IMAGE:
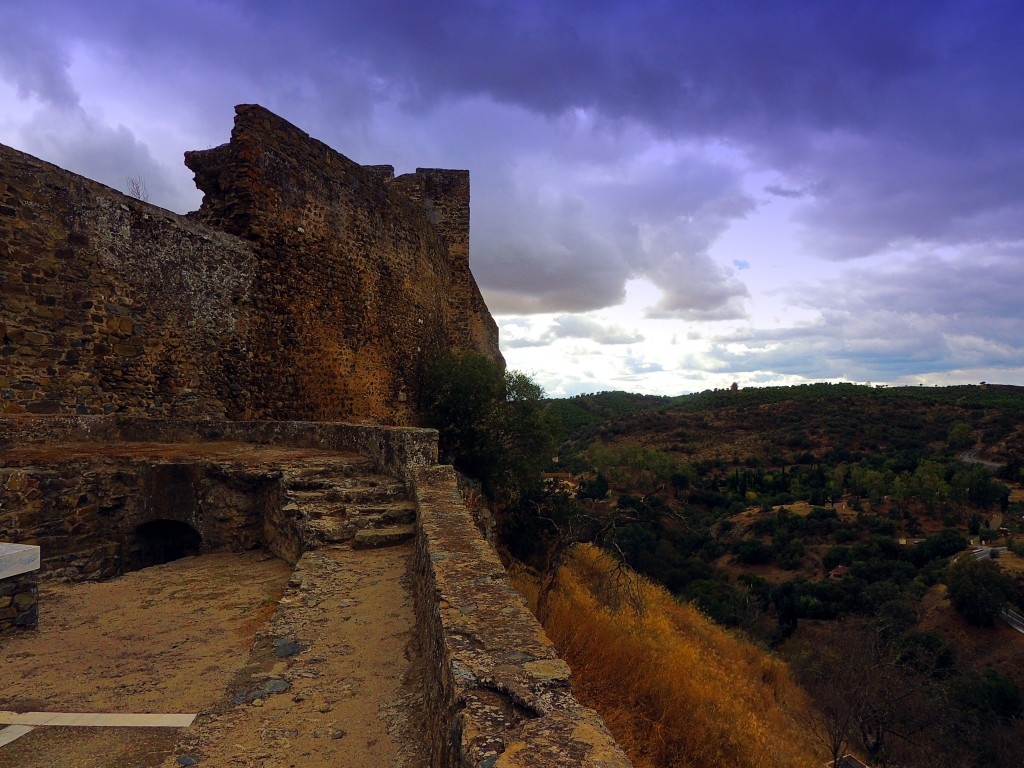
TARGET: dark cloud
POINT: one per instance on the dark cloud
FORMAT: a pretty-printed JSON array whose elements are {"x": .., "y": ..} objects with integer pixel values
[
  {"x": 885, "y": 194},
  {"x": 780, "y": 191},
  {"x": 32, "y": 59},
  {"x": 701, "y": 290},
  {"x": 598, "y": 223},
  {"x": 579, "y": 327},
  {"x": 635, "y": 365},
  {"x": 609, "y": 141},
  {"x": 70, "y": 138}
]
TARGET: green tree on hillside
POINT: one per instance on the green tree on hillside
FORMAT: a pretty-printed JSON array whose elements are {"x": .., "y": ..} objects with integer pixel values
[
  {"x": 493, "y": 424},
  {"x": 960, "y": 436},
  {"x": 978, "y": 589}
]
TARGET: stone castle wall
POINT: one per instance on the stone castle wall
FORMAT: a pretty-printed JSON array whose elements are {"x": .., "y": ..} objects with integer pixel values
[
  {"x": 108, "y": 304},
  {"x": 306, "y": 287},
  {"x": 496, "y": 693}
]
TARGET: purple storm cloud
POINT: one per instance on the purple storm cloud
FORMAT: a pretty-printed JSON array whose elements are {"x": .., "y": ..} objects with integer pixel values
[{"x": 807, "y": 190}]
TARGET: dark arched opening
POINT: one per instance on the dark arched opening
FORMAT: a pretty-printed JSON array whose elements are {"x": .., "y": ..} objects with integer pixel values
[{"x": 160, "y": 541}]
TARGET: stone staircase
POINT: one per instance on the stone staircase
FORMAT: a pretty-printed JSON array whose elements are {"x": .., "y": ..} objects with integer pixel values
[{"x": 341, "y": 502}]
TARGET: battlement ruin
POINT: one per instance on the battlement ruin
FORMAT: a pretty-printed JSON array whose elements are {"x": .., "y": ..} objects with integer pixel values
[
  {"x": 243, "y": 378},
  {"x": 305, "y": 287}
]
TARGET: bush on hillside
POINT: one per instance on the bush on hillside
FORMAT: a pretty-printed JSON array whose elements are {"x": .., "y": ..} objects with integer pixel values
[
  {"x": 978, "y": 589},
  {"x": 493, "y": 424},
  {"x": 674, "y": 688}
]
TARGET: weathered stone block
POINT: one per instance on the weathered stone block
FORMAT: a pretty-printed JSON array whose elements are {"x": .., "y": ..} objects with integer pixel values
[
  {"x": 372, "y": 538},
  {"x": 19, "y": 607}
]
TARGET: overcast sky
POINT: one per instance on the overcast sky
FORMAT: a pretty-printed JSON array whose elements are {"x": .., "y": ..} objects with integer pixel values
[{"x": 667, "y": 196}]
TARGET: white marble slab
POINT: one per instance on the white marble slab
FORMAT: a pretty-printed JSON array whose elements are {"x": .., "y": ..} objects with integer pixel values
[
  {"x": 16, "y": 559},
  {"x": 26, "y": 718},
  {"x": 12, "y": 732},
  {"x": 96, "y": 719}
]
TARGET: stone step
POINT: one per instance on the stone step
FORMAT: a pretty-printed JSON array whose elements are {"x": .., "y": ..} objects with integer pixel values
[
  {"x": 366, "y": 491},
  {"x": 315, "y": 477},
  {"x": 334, "y": 509},
  {"x": 389, "y": 513},
  {"x": 330, "y": 531},
  {"x": 397, "y": 513},
  {"x": 373, "y": 538},
  {"x": 335, "y": 530}
]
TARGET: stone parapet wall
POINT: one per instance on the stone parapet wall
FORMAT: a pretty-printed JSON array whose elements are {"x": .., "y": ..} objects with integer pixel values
[
  {"x": 499, "y": 696},
  {"x": 19, "y": 602},
  {"x": 393, "y": 449}
]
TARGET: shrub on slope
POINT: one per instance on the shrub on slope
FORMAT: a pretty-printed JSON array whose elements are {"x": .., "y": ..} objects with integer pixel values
[{"x": 674, "y": 688}]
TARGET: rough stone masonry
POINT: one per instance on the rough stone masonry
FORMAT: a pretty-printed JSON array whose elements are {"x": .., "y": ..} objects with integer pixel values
[
  {"x": 307, "y": 290},
  {"x": 305, "y": 287}
]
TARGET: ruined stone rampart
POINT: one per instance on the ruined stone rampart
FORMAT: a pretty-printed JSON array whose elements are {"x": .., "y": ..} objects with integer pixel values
[
  {"x": 108, "y": 304},
  {"x": 80, "y": 487},
  {"x": 306, "y": 287},
  {"x": 497, "y": 693}
]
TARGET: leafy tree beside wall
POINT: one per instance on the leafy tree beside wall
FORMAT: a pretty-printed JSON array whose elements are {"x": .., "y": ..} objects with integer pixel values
[{"x": 493, "y": 423}]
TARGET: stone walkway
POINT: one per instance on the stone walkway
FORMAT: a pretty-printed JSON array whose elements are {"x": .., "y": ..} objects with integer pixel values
[
  {"x": 165, "y": 639},
  {"x": 324, "y": 674},
  {"x": 335, "y": 681}
]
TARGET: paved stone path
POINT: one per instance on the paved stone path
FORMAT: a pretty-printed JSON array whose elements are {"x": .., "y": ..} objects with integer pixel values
[
  {"x": 333, "y": 678},
  {"x": 336, "y": 680}
]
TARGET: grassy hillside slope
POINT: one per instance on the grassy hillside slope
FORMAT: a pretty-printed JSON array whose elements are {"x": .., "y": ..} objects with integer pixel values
[
  {"x": 674, "y": 688},
  {"x": 793, "y": 516}
]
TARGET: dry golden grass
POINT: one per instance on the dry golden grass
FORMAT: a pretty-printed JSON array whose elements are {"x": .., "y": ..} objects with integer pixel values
[{"x": 674, "y": 688}]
